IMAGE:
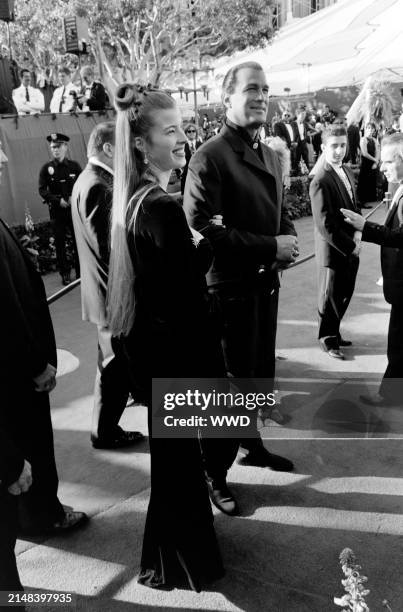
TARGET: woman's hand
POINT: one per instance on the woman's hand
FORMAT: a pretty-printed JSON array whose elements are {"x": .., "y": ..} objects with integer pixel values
[{"x": 356, "y": 220}]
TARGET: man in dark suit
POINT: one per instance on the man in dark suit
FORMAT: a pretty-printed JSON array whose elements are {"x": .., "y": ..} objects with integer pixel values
[
  {"x": 303, "y": 136},
  {"x": 91, "y": 207},
  {"x": 336, "y": 245},
  {"x": 390, "y": 237},
  {"x": 234, "y": 196},
  {"x": 191, "y": 146},
  {"x": 354, "y": 137},
  {"x": 93, "y": 95},
  {"x": 27, "y": 375},
  {"x": 288, "y": 131}
]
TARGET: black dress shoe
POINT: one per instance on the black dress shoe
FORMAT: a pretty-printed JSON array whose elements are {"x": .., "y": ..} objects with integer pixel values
[
  {"x": 222, "y": 497},
  {"x": 71, "y": 520},
  {"x": 121, "y": 440},
  {"x": 260, "y": 457},
  {"x": 378, "y": 401},
  {"x": 332, "y": 351}
]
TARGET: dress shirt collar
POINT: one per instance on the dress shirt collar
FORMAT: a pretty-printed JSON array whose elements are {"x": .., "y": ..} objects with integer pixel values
[{"x": 96, "y": 162}]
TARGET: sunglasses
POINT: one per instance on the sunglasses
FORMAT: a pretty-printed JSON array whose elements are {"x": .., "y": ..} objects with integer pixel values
[{"x": 191, "y": 132}]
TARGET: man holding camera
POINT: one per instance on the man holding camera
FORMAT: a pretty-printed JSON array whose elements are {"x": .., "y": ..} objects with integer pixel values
[{"x": 64, "y": 98}]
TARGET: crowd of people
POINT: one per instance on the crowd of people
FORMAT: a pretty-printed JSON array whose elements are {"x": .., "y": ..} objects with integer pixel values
[
  {"x": 87, "y": 94},
  {"x": 180, "y": 292}
]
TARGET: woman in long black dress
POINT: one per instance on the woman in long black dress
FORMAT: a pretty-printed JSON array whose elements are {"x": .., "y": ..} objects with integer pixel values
[
  {"x": 158, "y": 307},
  {"x": 367, "y": 178}
]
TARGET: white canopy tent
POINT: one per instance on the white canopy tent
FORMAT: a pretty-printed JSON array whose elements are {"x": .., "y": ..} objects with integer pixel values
[{"x": 337, "y": 46}]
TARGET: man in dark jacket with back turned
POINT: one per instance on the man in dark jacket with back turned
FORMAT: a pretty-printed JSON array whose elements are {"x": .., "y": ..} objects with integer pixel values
[
  {"x": 236, "y": 177},
  {"x": 390, "y": 237},
  {"x": 91, "y": 208}
]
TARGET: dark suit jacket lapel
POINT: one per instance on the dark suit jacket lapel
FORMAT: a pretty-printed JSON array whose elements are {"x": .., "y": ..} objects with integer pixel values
[
  {"x": 274, "y": 172},
  {"x": 249, "y": 155},
  {"x": 340, "y": 187},
  {"x": 392, "y": 211},
  {"x": 350, "y": 178},
  {"x": 286, "y": 133},
  {"x": 252, "y": 158}
]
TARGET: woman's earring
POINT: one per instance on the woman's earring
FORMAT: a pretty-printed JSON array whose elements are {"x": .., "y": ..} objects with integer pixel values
[{"x": 145, "y": 159}]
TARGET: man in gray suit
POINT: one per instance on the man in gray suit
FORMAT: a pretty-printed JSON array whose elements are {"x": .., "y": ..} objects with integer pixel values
[{"x": 91, "y": 204}]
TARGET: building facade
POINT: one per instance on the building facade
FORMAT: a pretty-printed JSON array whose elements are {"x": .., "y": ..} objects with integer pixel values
[{"x": 283, "y": 10}]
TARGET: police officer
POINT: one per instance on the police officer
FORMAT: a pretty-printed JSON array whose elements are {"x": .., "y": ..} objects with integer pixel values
[{"x": 56, "y": 180}]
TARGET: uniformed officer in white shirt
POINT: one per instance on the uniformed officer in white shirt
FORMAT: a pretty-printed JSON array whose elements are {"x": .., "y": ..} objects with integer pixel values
[
  {"x": 64, "y": 98},
  {"x": 28, "y": 100}
]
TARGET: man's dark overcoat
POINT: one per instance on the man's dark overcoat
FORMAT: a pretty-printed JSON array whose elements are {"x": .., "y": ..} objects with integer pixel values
[
  {"x": 390, "y": 237},
  {"x": 28, "y": 345},
  {"x": 242, "y": 182}
]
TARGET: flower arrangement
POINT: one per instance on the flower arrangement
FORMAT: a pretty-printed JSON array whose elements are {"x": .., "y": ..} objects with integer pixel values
[
  {"x": 354, "y": 599},
  {"x": 354, "y": 582},
  {"x": 29, "y": 240}
]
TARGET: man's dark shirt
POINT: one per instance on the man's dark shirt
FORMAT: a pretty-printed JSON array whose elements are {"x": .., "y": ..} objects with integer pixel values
[
  {"x": 56, "y": 180},
  {"x": 244, "y": 134}
]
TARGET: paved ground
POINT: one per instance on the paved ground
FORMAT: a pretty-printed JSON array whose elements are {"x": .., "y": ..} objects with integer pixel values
[{"x": 281, "y": 554}]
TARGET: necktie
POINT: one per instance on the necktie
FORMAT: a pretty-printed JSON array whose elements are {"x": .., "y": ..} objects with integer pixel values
[
  {"x": 26, "y": 94},
  {"x": 62, "y": 100}
]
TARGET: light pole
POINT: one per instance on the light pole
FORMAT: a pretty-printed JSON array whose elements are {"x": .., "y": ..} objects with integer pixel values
[
  {"x": 194, "y": 70},
  {"x": 192, "y": 67}
]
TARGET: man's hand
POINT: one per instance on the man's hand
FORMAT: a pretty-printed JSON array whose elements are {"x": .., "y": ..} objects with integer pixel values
[
  {"x": 356, "y": 220},
  {"x": 63, "y": 203},
  {"x": 287, "y": 248},
  {"x": 46, "y": 381},
  {"x": 24, "y": 481}
]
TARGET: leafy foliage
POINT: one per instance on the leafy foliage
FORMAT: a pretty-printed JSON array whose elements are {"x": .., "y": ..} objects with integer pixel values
[
  {"x": 145, "y": 39},
  {"x": 37, "y": 36}
]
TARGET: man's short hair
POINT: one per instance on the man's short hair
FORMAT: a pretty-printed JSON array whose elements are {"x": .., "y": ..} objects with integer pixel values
[
  {"x": 334, "y": 129},
  {"x": 23, "y": 71},
  {"x": 65, "y": 70},
  {"x": 230, "y": 79},
  {"x": 87, "y": 70},
  {"x": 102, "y": 133},
  {"x": 396, "y": 141},
  {"x": 301, "y": 108}
]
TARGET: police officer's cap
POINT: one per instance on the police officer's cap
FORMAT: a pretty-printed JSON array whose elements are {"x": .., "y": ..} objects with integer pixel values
[{"x": 56, "y": 137}]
